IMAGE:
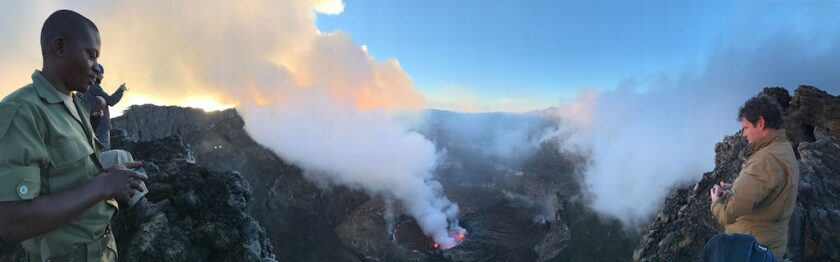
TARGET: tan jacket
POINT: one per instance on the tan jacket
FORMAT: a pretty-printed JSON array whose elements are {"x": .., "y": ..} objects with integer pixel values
[{"x": 764, "y": 194}]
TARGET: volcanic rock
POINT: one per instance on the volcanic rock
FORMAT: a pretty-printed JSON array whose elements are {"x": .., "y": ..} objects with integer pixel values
[{"x": 208, "y": 220}]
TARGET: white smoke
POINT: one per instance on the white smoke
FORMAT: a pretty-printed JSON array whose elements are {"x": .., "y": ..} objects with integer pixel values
[
  {"x": 361, "y": 149},
  {"x": 509, "y": 137}
]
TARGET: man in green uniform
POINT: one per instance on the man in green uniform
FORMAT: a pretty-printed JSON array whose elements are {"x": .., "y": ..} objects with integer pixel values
[{"x": 55, "y": 195}]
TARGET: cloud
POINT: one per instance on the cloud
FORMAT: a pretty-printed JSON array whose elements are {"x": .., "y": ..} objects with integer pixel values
[
  {"x": 339, "y": 145},
  {"x": 329, "y": 7},
  {"x": 466, "y": 99}
]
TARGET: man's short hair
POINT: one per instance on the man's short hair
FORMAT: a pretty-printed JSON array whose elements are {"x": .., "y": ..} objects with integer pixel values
[
  {"x": 66, "y": 23},
  {"x": 763, "y": 106}
]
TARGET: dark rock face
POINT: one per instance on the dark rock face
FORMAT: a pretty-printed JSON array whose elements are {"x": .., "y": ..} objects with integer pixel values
[
  {"x": 818, "y": 197},
  {"x": 207, "y": 221},
  {"x": 812, "y": 119},
  {"x": 815, "y": 114}
]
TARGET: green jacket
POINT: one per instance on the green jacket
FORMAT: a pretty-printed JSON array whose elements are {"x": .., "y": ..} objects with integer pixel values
[
  {"x": 764, "y": 194},
  {"x": 46, "y": 151}
]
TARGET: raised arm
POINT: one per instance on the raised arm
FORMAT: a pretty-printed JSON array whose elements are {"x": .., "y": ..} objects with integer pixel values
[{"x": 114, "y": 98}]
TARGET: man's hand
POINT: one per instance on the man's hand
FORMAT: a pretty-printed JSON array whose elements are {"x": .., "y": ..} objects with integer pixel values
[
  {"x": 102, "y": 103},
  {"x": 123, "y": 87},
  {"x": 719, "y": 191},
  {"x": 133, "y": 165},
  {"x": 101, "y": 107},
  {"x": 118, "y": 181}
]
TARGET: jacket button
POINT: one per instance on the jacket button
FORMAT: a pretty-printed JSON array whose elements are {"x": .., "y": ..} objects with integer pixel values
[{"x": 23, "y": 189}]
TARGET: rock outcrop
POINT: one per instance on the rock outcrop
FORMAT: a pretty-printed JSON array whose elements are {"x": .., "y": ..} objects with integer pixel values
[
  {"x": 208, "y": 219},
  {"x": 812, "y": 119}
]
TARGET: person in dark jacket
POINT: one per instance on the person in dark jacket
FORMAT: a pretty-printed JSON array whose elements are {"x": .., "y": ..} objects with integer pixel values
[{"x": 99, "y": 101}]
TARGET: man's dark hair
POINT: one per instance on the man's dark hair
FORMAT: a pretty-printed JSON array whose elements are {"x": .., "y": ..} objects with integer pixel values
[
  {"x": 764, "y": 106},
  {"x": 64, "y": 23}
]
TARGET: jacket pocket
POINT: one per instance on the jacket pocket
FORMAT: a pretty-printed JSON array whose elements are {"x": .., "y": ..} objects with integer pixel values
[{"x": 69, "y": 151}]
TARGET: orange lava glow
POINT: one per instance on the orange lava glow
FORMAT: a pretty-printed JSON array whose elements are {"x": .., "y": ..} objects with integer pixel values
[{"x": 460, "y": 237}]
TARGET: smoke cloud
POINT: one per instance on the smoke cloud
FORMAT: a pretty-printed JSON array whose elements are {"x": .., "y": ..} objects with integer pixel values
[
  {"x": 508, "y": 137},
  {"x": 339, "y": 145}
]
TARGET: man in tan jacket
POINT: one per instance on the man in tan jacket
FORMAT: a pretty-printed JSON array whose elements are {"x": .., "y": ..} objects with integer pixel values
[{"x": 763, "y": 196}]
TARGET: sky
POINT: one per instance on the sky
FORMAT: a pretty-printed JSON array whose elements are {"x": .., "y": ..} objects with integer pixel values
[
  {"x": 519, "y": 56},
  {"x": 471, "y": 55}
]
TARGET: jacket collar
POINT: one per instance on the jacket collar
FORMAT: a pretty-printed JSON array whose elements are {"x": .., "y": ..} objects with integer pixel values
[
  {"x": 44, "y": 88},
  {"x": 777, "y": 135}
]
